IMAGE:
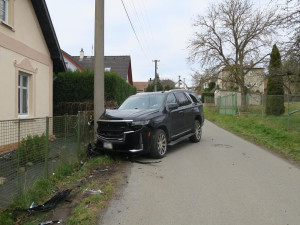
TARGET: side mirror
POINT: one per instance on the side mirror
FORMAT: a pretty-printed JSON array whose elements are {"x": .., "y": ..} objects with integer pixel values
[{"x": 172, "y": 106}]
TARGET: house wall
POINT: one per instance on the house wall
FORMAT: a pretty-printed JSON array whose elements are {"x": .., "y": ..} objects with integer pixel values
[
  {"x": 23, "y": 49},
  {"x": 255, "y": 77}
]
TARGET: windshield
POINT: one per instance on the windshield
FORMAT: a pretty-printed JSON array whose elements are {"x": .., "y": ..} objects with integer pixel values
[{"x": 154, "y": 101}]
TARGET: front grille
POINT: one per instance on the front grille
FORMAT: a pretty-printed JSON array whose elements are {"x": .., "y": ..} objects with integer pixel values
[{"x": 113, "y": 130}]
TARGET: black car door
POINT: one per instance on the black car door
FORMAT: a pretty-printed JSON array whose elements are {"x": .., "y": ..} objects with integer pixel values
[
  {"x": 186, "y": 108},
  {"x": 176, "y": 117}
]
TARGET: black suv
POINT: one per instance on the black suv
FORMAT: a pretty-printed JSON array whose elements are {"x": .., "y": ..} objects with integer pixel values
[{"x": 149, "y": 122}]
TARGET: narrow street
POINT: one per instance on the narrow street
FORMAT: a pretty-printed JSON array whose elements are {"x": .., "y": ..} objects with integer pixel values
[{"x": 223, "y": 180}]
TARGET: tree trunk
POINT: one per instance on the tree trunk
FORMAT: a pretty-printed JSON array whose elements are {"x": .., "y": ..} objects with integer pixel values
[{"x": 244, "y": 100}]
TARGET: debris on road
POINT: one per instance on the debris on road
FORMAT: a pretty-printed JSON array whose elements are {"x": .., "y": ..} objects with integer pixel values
[
  {"x": 51, "y": 222},
  {"x": 55, "y": 200},
  {"x": 92, "y": 192}
]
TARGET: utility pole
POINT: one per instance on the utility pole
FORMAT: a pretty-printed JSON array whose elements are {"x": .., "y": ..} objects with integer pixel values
[
  {"x": 99, "y": 62},
  {"x": 155, "y": 75}
]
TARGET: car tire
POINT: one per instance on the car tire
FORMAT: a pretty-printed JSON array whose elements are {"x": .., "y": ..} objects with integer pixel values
[
  {"x": 197, "y": 132},
  {"x": 159, "y": 144}
]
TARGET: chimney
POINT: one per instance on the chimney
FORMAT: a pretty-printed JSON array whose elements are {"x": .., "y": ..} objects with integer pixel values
[{"x": 81, "y": 54}]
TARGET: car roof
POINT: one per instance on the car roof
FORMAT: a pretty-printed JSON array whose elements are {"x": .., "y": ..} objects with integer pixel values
[{"x": 165, "y": 92}]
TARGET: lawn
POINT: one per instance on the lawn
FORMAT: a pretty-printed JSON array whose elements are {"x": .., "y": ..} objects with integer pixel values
[{"x": 271, "y": 132}]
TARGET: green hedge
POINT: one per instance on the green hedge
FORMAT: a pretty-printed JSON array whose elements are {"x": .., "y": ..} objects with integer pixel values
[{"x": 79, "y": 87}]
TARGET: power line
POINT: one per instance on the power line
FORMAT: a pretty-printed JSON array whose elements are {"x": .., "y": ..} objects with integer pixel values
[{"x": 133, "y": 28}]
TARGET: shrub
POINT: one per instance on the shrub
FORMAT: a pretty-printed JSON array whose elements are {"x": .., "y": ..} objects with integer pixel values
[
  {"x": 275, "y": 91},
  {"x": 32, "y": 149}
]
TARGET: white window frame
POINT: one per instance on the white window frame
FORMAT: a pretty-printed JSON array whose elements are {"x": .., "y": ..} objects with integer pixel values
[
  {"x": 21, "y": 87},
  {"x": 5, "y": 11}
]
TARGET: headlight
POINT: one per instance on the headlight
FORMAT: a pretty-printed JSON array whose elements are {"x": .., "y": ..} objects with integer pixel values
[{"x": 140, "y": 123}]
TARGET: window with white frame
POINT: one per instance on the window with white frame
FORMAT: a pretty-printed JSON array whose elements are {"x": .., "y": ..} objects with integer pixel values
[
  {"x": 23, "y": 86},
  {"x": 4, "y": 10}
]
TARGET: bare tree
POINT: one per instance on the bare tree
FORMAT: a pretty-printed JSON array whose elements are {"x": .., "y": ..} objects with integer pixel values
[
  {"x": 292, "y": 21},
  {"x": 233, "y": 34}
]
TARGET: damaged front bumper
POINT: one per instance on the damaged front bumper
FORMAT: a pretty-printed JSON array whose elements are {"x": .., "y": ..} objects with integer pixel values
[{"x": 130, "y": 141}]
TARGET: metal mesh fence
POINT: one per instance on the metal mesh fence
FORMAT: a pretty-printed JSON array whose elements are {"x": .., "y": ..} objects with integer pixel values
[
  {"x": 277, "y": 110},
  {"x": 31, "y": 149}
]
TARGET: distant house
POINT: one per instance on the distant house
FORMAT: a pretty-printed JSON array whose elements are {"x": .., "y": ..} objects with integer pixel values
[
  {"x": 140, "y": 86},
  {"x": 29, "y": 55},
  {"x": 254, "y": 79},
  {"x": 118, "y": 64},
  {"x": 168, "y": 82}
]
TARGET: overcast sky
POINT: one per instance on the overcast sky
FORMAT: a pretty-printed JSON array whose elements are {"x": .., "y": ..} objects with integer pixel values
[{"x": 163, "y": 28}]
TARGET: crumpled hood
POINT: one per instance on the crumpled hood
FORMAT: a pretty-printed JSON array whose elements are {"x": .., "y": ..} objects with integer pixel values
[{"x": 132, "y": 114}]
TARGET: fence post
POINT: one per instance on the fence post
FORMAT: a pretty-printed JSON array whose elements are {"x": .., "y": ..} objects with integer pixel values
[
  {"x": 19, "y": 156},
  {"x": 78, "y": 136},
  {"x": 262, "y": 106},
  {"x": 288, "y": 111},
  {"x": 219, "y": 103},
  {"x": 232, "y": 104},
  {"x": 225, "y": 105},
  {"x": 47, "y": 148}
]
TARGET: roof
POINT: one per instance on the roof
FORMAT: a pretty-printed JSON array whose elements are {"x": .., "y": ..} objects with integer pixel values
[
  {"x": 118, "y": 64},
  {"x": 47, "y": 28},
  {"x": 69, "y": 57},
  {"x": 167, "y": 82}
]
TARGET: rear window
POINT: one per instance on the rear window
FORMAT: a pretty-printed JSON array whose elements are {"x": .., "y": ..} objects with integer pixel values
[
  {"x": 194, "y": 98},
  {"x": 182, "y": 99}
]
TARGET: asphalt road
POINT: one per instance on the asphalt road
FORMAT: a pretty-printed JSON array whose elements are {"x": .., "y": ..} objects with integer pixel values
[{"x": 221, "y": 180}]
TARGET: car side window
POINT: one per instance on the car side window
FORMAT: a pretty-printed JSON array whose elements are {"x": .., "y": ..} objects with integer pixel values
[
  {"x": 182, "y": 99},
  {"x": 171, "y": 98},
  {"x": 195, "y": 100}
]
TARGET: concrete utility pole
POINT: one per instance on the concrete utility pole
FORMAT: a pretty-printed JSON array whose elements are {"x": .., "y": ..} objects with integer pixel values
[
  {"x": 99, "y": 62},
  {"x": 155, "y": 75}
]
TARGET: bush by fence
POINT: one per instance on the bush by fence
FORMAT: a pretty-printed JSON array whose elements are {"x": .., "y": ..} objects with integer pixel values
[{"x": 32, "y": 149}]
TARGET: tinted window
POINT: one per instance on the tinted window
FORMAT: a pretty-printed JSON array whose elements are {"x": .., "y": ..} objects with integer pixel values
[
  {"x": 182, "y": 99},
  {"x": 171, "y": 98}
]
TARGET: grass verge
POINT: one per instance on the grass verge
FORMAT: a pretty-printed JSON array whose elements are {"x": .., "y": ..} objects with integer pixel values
[
  {"x": 268, "y": 134},
  {"x": 85, "y": 208}
]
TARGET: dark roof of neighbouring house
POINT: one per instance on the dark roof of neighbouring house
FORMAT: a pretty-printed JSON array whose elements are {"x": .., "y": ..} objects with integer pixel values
[
  {"x": 118, "y": 64},
  {"x": 43, "y": 16}
]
